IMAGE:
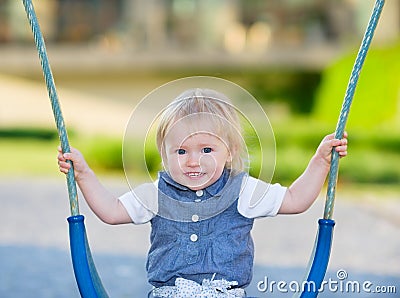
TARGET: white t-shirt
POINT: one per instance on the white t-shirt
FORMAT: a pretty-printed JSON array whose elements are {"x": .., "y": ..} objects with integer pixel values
[{"x": 256, "y": 199}]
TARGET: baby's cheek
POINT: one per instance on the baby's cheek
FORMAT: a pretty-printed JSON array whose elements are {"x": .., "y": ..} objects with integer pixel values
[{"x": 208, "y": 160}]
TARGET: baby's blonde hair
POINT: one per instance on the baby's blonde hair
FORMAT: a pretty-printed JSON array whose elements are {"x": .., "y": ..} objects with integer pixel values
[{"x": 198, "y": 102}]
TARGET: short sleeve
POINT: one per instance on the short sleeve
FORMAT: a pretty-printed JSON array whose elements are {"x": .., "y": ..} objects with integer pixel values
[
  {"x": 260, "y": 199},
  {"x": 136, "y": 203}
]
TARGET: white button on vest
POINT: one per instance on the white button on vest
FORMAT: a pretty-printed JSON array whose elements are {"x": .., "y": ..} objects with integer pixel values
[
  {"x": 199, "y": 193},
  {"x": 195, "y": 218},
  {"x": 194, "y": 237}
]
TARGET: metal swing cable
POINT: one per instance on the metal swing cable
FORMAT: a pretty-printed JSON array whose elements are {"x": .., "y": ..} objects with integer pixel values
[
  {"x": 55, "y": 104},
  {"x": 87, "y": 278},
  {"x": 348, "y": 98}
]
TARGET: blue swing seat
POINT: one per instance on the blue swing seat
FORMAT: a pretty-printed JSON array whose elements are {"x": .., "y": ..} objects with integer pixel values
[{"x": 86, "y": 275}]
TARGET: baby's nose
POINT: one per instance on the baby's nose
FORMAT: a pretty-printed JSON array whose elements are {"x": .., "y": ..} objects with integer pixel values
[{"x": 193, "y": 159}]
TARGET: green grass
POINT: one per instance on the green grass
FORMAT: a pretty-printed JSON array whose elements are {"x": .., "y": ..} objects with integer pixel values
[
  {"x": 28, "y": 157},
  {"x": 38, "y": 157},
  {"x": 377, "y": 93},
  {"x": 373, "y": 155}
]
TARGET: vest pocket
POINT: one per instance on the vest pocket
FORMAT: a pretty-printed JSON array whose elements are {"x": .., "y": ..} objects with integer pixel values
[{"x": 221, "y": 254}]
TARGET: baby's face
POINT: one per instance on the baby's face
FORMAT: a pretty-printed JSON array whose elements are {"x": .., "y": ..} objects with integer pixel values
[{"x": 194, "y": 158}]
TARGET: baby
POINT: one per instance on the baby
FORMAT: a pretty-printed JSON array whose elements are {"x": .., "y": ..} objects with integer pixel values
[{"x": 203, "y": 204}]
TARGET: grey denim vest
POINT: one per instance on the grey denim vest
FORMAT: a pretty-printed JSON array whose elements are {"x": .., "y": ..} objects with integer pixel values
[{"x": 196, "y": 236}]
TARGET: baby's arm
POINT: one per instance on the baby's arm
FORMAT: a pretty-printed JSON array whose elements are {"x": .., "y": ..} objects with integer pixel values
[
  {"x": 107, "y": 207},
  {"x": 303, "y": 192}
]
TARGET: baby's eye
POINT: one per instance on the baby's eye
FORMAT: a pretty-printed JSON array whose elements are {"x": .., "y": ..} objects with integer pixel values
[
  {"x": 207, "y": 150},
  {"x": 181, "y": 151}
]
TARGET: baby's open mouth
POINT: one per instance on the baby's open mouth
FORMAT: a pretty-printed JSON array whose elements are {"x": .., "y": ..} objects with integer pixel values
[{"x": 194, "y": 174}]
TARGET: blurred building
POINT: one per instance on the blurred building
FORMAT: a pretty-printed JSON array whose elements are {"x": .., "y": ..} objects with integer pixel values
[
  {"x": 295, "y": 33},
  {"x": 230, "y": 25}
]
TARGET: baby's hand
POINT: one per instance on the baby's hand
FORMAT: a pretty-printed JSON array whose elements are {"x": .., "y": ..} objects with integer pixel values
[
  {"x": 80, "y": 165},
  {"x": 324, "y": 150}
]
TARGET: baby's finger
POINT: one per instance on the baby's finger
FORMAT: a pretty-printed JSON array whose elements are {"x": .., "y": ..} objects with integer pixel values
[
  {"x": 65, "y": 156},
  {"x": 68, "y": 156},
  {"x": 64, "y": 164},
  {"x": 64, "y": 170},
  {"x": 329, "y": 137},
  {"x": 344, "y": 141},
  {"x": 341, "y": 142},
  {"x": 60, "y": 157},
  {"x": 341, "y": 148}
]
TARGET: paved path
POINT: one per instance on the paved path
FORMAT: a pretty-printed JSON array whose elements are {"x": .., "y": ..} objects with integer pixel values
[
  {"x": 35, "y": 261},
  {"x": 36, "y": 111}
]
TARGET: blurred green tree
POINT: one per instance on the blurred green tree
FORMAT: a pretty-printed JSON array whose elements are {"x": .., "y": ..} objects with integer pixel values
[{"x": 377, "y": 96}]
